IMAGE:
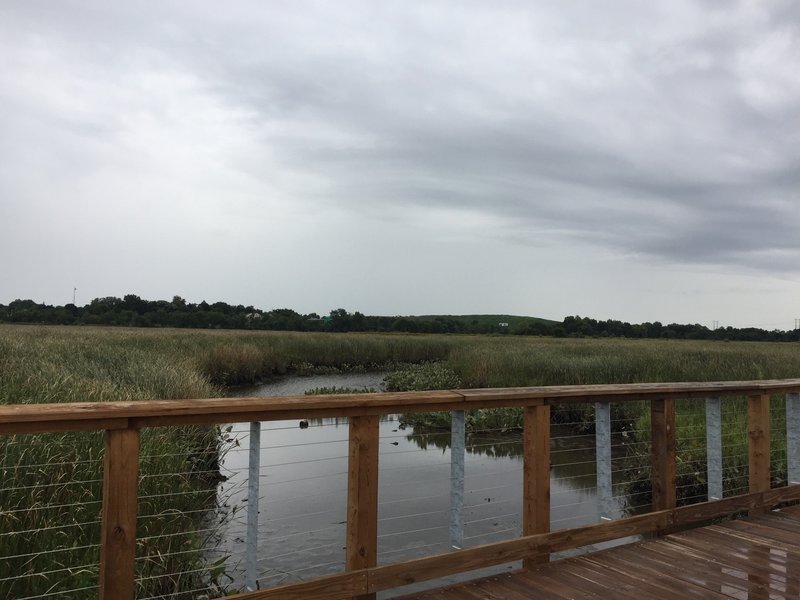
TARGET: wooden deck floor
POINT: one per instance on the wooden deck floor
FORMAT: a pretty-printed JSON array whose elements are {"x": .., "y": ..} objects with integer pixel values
[{"x": 752, "y": 558}]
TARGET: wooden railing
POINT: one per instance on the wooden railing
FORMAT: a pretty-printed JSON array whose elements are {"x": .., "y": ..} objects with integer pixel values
[{"x": 122, "y": 422}]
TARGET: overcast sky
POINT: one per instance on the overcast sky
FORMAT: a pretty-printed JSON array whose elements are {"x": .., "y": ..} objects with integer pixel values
[{"x": 626, "y": 159}]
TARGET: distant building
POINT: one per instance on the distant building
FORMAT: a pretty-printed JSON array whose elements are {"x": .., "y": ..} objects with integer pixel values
[{"x": 503, "y": 324}]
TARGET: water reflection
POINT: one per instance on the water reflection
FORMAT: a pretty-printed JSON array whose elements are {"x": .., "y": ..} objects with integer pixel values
[
  {"x": 571, "y": 455},
  {"x": 505, "y": 446}
]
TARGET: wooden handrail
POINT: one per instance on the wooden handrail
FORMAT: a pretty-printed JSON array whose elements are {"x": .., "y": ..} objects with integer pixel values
[
  {"x": 123, "y": 420},
  {"x": 75, "y": 416}
]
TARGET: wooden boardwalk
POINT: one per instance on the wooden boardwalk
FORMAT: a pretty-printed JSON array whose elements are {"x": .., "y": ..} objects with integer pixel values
[{"x": 757, "y": 557}]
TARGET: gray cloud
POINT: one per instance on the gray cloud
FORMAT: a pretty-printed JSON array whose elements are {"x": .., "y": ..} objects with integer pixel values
[{"x": 661, "y": 132}]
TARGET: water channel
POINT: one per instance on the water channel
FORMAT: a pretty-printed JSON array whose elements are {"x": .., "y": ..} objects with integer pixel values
[{"x": 303, "y": 489}]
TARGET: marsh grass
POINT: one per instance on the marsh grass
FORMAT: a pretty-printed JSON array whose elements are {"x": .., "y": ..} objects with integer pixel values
[
  {"x": 330, "y": 390},
  {"x": 690, "y": 451},
  {"x": 514, "y": 362},
  {"x": 51, "y": 483},
  {"x": 504, "y": 362}
]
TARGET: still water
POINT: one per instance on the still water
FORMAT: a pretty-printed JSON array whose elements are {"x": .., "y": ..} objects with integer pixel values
[{"x": 303, "y": 489}]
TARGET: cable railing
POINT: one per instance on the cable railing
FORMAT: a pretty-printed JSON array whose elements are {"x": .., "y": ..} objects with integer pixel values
[{"x": 581, "y": 472}]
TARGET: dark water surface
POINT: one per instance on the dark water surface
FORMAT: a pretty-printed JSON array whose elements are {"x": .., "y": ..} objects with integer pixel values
[{"x": 304, "y": 489}]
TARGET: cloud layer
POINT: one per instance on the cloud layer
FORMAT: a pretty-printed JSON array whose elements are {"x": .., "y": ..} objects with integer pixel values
[{"x": 168, "y": 144}]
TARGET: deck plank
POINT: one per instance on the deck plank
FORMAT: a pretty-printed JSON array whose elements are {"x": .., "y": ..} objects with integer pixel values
[
  {"x": 667, "y": 586},
  {"x": 751, "y": 558},
  {"x": 694, "y": 579},
  {"x": 790, "y": 511},
  {"x": 704, "y": 570},
  {"x": 777, "y": 521},
  {"x": 623, "y": 588},
  {"x": 758, "y": 534},
  {"x": 503, "y": 588},
  {"x": 608, "y": 582},
  {"x": 589, "y": 589}
]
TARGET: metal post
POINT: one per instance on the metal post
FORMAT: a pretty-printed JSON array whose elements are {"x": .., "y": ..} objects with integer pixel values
[
  {"x": 457, "y": 451},
  {"x": 714, "y": 448},
  {"x": 793, "y": 437},
  {"x": 605, "y": 500},
  {"x": 254, "y": 472}
]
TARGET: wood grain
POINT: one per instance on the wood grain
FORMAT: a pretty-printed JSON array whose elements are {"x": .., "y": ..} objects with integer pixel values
[
  {"x": 536, "y": 477},
  {"x": 662, "y": 419},
  {"x": 758, "y": 433},
  {"x": 330, "y": 587},
  {"x": 394, "y": 575},
  {"x": 362, "y": 495},
  {"x": 222, "y": 410},
  {"x": 120, "y": 501},
  {"x": 121, "y": 421},
  {"x": 21, "y": 428},
  {"x": 706, "y": 563}
]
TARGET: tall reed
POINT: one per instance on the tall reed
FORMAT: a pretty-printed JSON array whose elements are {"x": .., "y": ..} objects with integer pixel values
[{"x": 52, "y": 483}]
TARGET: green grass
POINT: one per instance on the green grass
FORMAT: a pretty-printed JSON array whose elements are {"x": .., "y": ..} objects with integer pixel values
[
  {"x": 39, "y": 492},
  {"x": 502, "y": 361},
  {"x": 512, "y": 362},
  {"x": 325, "y": 390},
  {"x": 179, "y": 466},
  {"x": 690, "y": 451},
  {"x": 40, "y": 364}
]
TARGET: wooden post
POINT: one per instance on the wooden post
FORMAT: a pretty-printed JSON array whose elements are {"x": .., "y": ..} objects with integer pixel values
[
  {"x": 536, "y": 477},
  {"x": 662, "y": 420},
  {"x": 362, "y": 495},
  {"x": 120, "y": 502},
  {"x": 758, "y": 443}
]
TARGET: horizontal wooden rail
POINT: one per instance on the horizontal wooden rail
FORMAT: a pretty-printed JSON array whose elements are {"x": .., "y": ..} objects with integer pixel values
[{"x": 75, "y": 416}]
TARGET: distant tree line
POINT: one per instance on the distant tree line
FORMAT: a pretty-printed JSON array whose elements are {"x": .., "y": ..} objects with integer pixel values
[
  {"x": 133, "y": 311},
  {"x": 585, "y": 327}
]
